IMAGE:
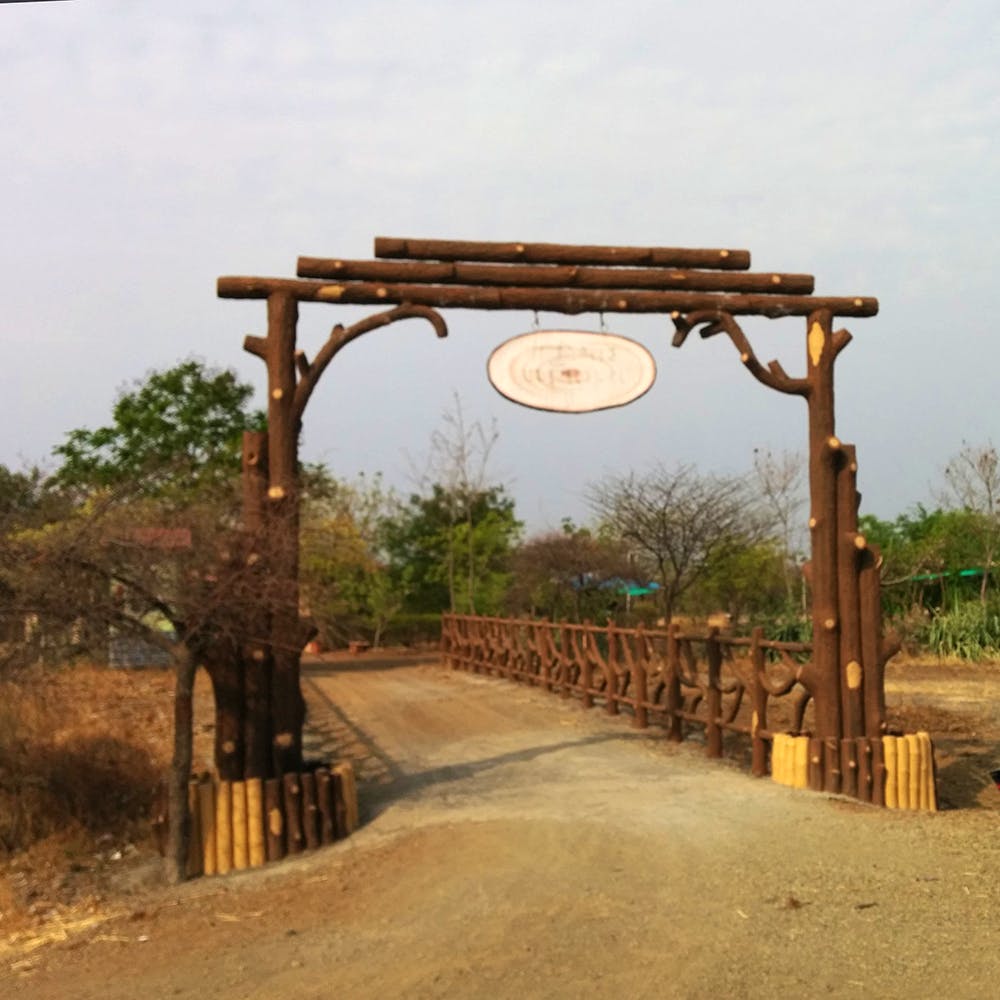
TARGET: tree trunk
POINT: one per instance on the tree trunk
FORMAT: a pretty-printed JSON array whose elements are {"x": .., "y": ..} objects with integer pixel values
[{"x": 179, "y": 828}]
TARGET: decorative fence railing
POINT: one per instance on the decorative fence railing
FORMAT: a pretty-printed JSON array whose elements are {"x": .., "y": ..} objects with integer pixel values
[{"x": 678, "y": 679}]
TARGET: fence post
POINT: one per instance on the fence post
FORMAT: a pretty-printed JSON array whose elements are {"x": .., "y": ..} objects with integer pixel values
[
  {"x": 587, "y": 667},
  {"x": 758, "y": 702},
  {"x": 640, "y": 692},
  {"x": 675, "y": 730},
  {"x": 564, "y": 659},
  {"x": 713, "y": 699},
  {"x": 611, "y": 671},
  {"x": 546, "y": 648}
]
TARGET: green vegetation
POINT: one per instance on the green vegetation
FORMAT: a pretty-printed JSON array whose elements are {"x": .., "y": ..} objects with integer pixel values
[
  {"x": 380, "y": 567},
  {"x": 176, "y": 430}
]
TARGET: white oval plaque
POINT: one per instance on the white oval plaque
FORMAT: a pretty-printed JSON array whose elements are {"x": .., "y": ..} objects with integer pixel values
[{"x": 571, "y": 371}]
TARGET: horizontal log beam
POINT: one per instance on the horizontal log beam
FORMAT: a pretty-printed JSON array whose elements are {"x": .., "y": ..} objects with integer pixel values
[
  {"x": 559, "y": 253},
  {"x": 558, "y": 300},
  {"x": 553, "y": 276}
]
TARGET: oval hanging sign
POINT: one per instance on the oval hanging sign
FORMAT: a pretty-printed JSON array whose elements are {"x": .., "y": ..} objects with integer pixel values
[{"x": 571, "y": 371}]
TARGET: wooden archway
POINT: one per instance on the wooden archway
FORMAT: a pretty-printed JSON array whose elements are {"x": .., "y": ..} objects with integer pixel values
[{"x": 699, "y": 289}]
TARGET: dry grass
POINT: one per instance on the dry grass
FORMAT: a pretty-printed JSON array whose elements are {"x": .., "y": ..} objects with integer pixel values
[
  {"x": 67, "y": 764},
  {"x": 83, "y": 750}
]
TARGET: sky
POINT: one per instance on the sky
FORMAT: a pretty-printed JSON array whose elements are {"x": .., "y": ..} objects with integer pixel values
[{"x": 149, "y": 148}]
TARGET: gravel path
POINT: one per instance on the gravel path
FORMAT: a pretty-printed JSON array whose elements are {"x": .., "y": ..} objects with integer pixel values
[{"x": 517, "y": 846}]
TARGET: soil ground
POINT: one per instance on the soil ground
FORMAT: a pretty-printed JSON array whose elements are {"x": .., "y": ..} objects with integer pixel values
[{"x": 514, "y": 845}]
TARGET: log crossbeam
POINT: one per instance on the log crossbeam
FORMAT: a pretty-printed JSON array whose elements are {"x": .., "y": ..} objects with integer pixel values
[
  {"x": 570, "y": 301},
  {"x": 560, "y": 253},
  {"x": 553, "y": 276}
]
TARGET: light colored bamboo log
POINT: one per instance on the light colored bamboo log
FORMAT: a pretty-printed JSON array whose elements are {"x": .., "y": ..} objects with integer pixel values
[
  {"x": 241, "y": 858},
  {"x": 350, "y": 793},
  {"x": 926, "y": 771},
  {"x": 223, "y": 827},
  {"x": 801, "y": 768},
  {"x": 916, "y": 769},
  {"x": 890, "y": 759},
  {"x": 779, "y": 758},
  {"x": 902, "y": 772},
  {"x": 256, "y": 849},
  {"x": 930, "y": 788},
  {"x": 206, "y": 809}
]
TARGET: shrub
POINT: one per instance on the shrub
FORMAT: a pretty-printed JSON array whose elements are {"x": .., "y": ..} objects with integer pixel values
[{"x": 969, "y": 631}]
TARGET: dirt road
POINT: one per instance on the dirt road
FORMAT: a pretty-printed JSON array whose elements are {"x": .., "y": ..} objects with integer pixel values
[{"x": 517, "y": 846}]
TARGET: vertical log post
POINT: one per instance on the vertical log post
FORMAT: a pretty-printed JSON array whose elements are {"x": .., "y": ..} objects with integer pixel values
[
  {"x": 864, "y": 758},
  {"x": 675, "y": 725},
  {"x": 824, "y": 675},
  {"x": 206, "y": 811},
  {"x": 287, "y": 703},
  {"x": 878, "y": 771},
  {"x": 713, "y": 696},
  {"x": 565, "y": 661},
  {"x": 816, "y": 780},
  {"x": 758, "y": 704},
  {"x": 257, "y": 661},
  {"x": 587, "y": 666},
  {"x": 831, "y": 764},
  {"x": 852, "y": 667},
  {"x": 611, "y": 673},
  {"x": 194, "y": 850},
  {"x": 293, "y": 813},
  {"x": 310, "y": 811},
  {"x": 226, "y": 672},
  {"x": 339, "y": 803},
  {"x": 543, "y": 645},
  {"x": 324, "y": 802},
  {"x": 640, "y": 686},
  {"x": 274, "y": 815},
  {"x": 870, "y": 599}
]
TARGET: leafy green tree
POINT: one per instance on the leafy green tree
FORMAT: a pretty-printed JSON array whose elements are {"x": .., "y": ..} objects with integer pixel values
[
  {"x": 345, "y": 575},
  {"x": 973, "y": 485},
  {"x": 430, "y": 532},
  {"x": 744, "y": 579},
  {"x": 925, "y": 553},
  {"x": 175, "y": 431}
]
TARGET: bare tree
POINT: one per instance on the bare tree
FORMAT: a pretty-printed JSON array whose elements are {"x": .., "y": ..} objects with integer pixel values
[
  {"x": 676, "y": 521},
  {"x": 182, "y": 578},
  {"x": 567, "y": 567},
  {"x": 972, "y": 480},
  {"x": 458, "y": 463},
  {"x": 780, "y": 481}
]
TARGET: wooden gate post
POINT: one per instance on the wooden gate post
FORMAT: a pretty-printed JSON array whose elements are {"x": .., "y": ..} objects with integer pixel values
[{"x": 824, "y": 449}]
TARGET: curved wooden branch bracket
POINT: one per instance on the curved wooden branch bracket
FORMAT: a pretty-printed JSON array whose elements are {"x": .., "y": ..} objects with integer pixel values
[
  {"x": 715, "y": 321},
  {"x": 340, "y": 336}
]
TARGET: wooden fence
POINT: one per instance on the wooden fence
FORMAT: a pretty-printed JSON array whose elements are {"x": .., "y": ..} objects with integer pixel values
[{"x": 719, "y": 684}]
